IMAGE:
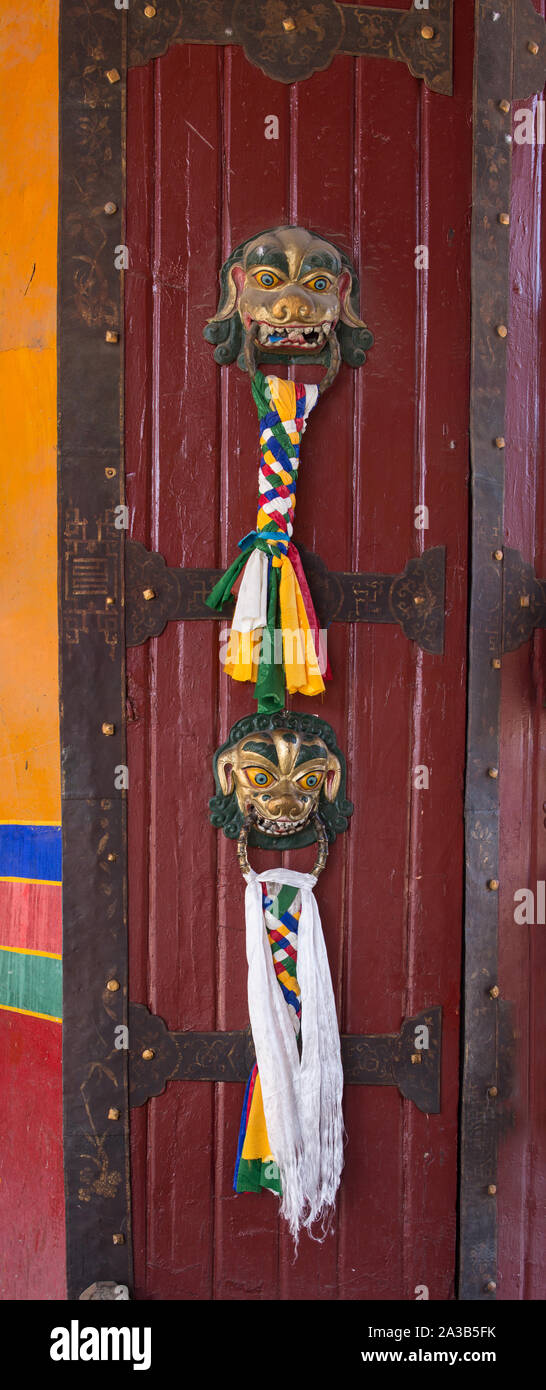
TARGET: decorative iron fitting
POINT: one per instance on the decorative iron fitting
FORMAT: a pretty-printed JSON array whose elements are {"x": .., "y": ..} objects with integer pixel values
[
  {"x": 157, "y": 1056},
  {"x": 524, "y": 605},
  {"x": 414, "y": 598},
  {"x": 289, "y": 47}
]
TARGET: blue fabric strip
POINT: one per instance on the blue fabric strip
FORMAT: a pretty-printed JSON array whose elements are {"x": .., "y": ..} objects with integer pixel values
[
  {"x": 280, "y": 454},
  {"x": 268, "y": 422},
  {"x": 289, "y": 921},
  {"x": 242, "y": 1129}
]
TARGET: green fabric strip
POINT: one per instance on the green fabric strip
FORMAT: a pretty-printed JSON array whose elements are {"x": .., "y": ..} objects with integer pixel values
[
  {"x": 284, "y": 899},
  {"x": 261, "y": 393},
  {"x": 31, "y": 982},
  {"x": 222, "y": 590},
  {"x": 254, "y": 1175},
  {"x": 270, "y": 685}
]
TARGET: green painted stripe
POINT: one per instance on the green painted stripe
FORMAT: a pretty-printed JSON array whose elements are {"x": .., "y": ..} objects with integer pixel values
[{"x": 31, "y": 982}]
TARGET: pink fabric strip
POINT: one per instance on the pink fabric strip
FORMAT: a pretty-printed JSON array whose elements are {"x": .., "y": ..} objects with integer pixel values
[{"x": 294, "y": 557}]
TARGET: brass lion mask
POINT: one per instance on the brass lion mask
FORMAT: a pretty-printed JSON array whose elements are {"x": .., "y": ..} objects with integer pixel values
[
  {"x": 280, "y": 771},
  {"x": 289, "y": 294}
]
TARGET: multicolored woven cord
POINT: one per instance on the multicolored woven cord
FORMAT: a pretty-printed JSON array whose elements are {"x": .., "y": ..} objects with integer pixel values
[
  {"x": 255, "y": 1166},
  {"x": 274, "y": 597},
  {"x": 280, "y": 445}
]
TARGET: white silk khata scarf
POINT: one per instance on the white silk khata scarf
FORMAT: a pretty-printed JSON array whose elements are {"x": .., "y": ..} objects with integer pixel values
[{"x": 302, "y": 1095}]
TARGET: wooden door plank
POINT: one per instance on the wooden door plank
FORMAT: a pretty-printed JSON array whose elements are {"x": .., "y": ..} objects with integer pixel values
[
  {"x": 436, "y": 835},
  {"x": 322, "y": 197},
  {"x": 255, "y": 197},
  {"x": 176, "y": 719}
]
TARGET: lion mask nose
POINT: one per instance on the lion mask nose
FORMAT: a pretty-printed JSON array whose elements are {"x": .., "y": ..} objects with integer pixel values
[
  {"x": 292, "y": 308},
  {"x": 284, "y": 806}
]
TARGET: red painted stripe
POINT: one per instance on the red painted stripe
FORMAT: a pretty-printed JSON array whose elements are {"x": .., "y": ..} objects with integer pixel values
[
  {"x": 31, "y": 1160},
  {"x": 30, "y": 916}
]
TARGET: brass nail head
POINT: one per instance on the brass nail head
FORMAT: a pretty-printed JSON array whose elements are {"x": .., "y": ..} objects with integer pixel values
[
  {"x": 497, "y": 554},
  {"x": 492, "y": 1091},
  {"x": 112, "y": 985},
  {"x": 504, "y": 105},
  {"x": 493, "y": 772},
  {"x": 111, "y": 336},
  {"x": 493, "y": 884},
  {"x": 113, "y": 75},
  {"x": 110, "y": 601},
  {"x": 418, "y": 598},
  {"x": 490, "y": 1286},
  {"x": 118, "y": 1238},
  {"x": 524, "y": 600},
  {"x": 496, "y": 663},
  {"x": 427, "y": 32},
  {"x": 289, "y": 25},
  {"x": 110, "y": 209},
  {"x": 110, "y": 472},
  {"x": 150, "y": 11},
  {"x": 108, "y": 730},
  {"x": 532, "y": 47},
  {"x": 148, "y": 1054},
  {"x": 111, "y": 857},
  {"x": 502, "y": 330},
  {"x": 504, "y": 219},
  {"x": 113, "y": 1114},
  {"x": 148, "y": 594},
  {"x": 500, "y": 441},
  {"x": 416, "y": 1059},
  {"x": 492, "y": 1188},
  {"x": 494, "y": 992}
]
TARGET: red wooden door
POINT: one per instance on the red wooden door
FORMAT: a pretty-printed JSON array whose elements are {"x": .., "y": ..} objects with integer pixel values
[{"x": 381, "y": 166}]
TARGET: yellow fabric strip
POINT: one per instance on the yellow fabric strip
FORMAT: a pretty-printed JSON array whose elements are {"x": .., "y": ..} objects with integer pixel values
[
  {"x": 283, "y": 395},
  {"x": 300, "y": 659},
  {"x": 288, "y": 980},
  {"x": 242, "y": 655},
  {"x": 256, "y": 1142}
]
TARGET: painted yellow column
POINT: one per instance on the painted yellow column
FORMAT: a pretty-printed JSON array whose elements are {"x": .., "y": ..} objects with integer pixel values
[{"x": 29, "y": 719}]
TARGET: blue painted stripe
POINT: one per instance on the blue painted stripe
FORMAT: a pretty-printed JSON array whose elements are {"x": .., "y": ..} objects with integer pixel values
[{"x": 31, "y": 851}]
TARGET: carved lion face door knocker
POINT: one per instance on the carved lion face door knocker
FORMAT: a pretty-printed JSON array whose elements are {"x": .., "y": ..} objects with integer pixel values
[
  {"x": 287, "y": 295},
  {"x": 281, "y": 785}
]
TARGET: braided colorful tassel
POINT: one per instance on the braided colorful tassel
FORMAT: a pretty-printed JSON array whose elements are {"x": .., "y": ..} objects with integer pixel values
[{"x": 274, "y": 637}]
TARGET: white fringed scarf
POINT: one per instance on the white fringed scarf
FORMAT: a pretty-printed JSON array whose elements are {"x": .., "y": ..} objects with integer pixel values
[{"x": 302, "y": 1099}]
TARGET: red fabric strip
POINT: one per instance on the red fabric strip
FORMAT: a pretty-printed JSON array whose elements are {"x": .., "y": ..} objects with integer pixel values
[{"x": 294, "y": 556}]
